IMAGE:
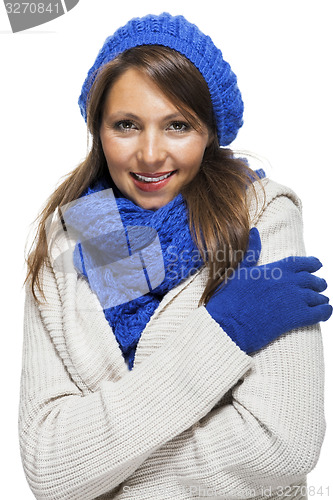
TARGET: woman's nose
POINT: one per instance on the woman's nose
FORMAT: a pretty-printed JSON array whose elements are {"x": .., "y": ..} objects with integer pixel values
[{"x": 151, "y": 148}]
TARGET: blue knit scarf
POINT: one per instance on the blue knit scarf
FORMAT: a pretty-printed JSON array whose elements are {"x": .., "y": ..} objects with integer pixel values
[{"x": 179, "y": 256}]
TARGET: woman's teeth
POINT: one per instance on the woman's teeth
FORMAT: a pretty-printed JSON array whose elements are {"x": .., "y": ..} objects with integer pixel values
[{"x": 151, "y": 179}]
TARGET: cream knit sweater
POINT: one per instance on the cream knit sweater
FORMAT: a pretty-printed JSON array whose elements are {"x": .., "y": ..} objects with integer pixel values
[{"x": 195, "y": 418}]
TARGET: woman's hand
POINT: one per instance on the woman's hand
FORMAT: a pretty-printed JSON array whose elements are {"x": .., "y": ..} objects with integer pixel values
[{"x": 259, "y": 303}]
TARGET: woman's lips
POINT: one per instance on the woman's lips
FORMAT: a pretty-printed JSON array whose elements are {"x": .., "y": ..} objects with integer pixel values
[{"x": 151, "y": 182}]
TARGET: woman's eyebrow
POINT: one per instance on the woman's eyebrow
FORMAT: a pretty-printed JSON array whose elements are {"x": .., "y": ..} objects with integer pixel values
[
  {"x": 133, "y": 116},
  {"x": 121, "y": 114}
]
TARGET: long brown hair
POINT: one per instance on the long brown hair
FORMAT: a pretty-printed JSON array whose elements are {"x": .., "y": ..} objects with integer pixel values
[{"x": 215, "y": 198}]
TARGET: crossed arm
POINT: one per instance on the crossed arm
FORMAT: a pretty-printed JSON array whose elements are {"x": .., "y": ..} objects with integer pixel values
[{"x": 79, "y": 444}]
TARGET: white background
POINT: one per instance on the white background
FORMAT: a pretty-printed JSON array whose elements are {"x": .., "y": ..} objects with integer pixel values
[{"x": 282, "y": 54}]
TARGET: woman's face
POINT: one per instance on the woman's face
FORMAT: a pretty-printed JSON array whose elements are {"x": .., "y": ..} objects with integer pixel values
[{"x": 151, "y": 149}]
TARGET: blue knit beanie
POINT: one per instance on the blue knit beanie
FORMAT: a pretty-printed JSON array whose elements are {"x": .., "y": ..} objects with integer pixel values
[{"x": 178, "y": 34}]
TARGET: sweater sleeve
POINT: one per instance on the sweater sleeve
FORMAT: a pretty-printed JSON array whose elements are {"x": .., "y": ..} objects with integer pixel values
[
  {"x": 268, "y": 431},
  {"x": 78, "y": 444}
]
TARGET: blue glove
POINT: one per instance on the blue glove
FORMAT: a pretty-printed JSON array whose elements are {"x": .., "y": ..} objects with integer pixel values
[{"x": 259, "y": 303}]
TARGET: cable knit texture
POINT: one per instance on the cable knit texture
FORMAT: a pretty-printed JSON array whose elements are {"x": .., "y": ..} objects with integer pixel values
[
  {"x": 195, "y": 418},
  {"x": 178, "y": 34}
]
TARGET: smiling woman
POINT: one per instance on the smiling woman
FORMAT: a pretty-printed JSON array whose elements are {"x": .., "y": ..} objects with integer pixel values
[
  {"x": 209, "y": 381},
  {"x": 151, "y": 150}
]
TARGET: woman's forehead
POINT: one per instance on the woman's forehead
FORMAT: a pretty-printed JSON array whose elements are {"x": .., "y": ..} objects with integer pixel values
[{"x": 135, "y": 92}]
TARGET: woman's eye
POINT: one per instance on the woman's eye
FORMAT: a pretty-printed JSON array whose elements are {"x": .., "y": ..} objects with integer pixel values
[
  {"x": 179, "y": 126},
  {"x": 124, "y": 125}
]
